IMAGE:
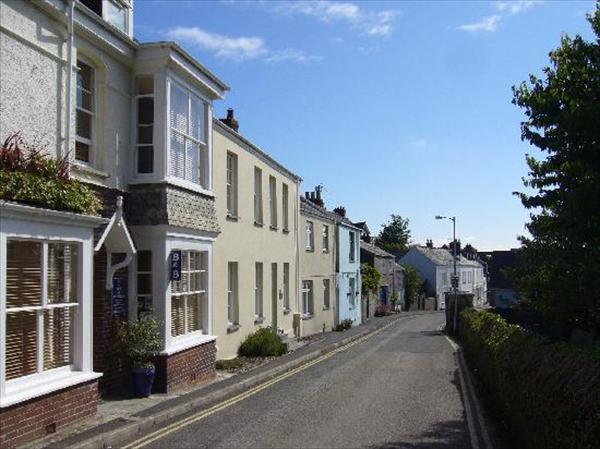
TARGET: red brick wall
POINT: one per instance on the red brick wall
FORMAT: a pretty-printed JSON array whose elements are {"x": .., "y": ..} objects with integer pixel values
[
  {"x": 116, "y": 376},
  {"x": 37, "y": 417},
  {"x": 192, "y": 365}
]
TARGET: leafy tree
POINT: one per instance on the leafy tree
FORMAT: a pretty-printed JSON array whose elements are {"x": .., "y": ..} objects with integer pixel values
[
  {"x": 413, "y": 285},
  {"x": 395, "y": 235},
  {"x": 559, "y": 271},
  {"x": 370, "y": 278}
]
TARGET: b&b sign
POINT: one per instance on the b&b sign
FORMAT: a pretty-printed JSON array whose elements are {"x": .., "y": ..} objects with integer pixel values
[{"x": 175, "y": 265}]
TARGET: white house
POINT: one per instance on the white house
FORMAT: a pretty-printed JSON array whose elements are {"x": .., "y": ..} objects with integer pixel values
[{"x": 435, "y": 265}]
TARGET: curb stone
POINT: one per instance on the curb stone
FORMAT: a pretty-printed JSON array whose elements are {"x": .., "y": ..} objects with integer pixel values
[{"x": 140, "y": 425}]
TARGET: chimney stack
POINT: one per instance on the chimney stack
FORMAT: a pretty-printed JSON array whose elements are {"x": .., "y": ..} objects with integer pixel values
[
  {"x": 231, "y": 121},
  {"x": 429, "y": 243},
  {"x": 341, "y": 211}
]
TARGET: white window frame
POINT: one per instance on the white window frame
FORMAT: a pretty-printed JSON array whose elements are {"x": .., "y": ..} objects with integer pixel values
[
  {"x": 94, "y": 96},
  {"x": 273, "y": 201},
  {"x": 310, "y": 236},
  {"x": 286, "y": 286},
  {"x": 126, "y": 7},
  {"x": 307, "y": 298},
  {"x": 232, "y": 294},
  {"x": 326, "y": 294},
  {"x": 137, "y": 126},
  {"x": 202, "y": 292},
  {"x": 204, "y": 148},
  {"x": 258, "y": 197},
  {"x": 144, "y": 296},
  {"x": 352, "y": 245},
  {"x": 352, "y": 292},
  {"x": 18, "y": 222},
  {"x": 285, "y": 208},
  {"x": 325, "y": 238},
  {"x": 258, "y": 291},
  {"x": 231, "y": 184}
]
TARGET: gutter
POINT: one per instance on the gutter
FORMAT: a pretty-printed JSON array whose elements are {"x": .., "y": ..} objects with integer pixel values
[{"x": 71, "y": 14}]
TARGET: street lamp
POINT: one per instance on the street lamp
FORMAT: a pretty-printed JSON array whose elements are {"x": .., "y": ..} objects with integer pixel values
[{"x": 454, "y": 276}]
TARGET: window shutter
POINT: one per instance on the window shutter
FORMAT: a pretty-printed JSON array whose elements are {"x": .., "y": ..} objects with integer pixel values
[
  {"x": 23, "y": 274},
  {"x": 21, "y": 344}
]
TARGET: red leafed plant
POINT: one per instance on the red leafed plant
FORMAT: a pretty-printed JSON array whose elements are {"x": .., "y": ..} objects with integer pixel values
[{"x": 17, "y": 155}]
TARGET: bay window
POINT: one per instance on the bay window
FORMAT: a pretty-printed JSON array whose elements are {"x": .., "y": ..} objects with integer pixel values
[
  {"x": 188, "y": 123},
  {"x": 144, "y": 101},
  {"x": 188, "y": 294},
  {"x": 42, "y": 298}
]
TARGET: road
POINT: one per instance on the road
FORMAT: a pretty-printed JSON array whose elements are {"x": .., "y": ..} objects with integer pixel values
[{"x": 399, "y": 388}]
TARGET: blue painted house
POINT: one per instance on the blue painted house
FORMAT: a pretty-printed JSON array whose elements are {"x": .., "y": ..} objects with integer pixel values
[{"x": 348, "y": 298}]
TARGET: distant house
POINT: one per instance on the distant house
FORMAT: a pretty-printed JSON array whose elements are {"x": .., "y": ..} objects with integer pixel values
[
  {"x": 435, "y": 265},
  {"x": 392, "y": 278},
  {"x": 501, "y": 293}
]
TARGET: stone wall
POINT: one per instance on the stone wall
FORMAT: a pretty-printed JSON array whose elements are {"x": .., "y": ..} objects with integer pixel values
[
  {"x": 192, "y": 365},
  {"x": 39, "y": 417}
]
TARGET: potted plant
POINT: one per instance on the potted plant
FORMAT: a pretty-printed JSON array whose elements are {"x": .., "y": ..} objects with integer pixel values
[{"x": 140, "y": 343}]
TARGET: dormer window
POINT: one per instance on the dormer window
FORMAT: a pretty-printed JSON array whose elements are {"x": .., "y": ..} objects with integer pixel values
[{"x": 115, "y": 12}]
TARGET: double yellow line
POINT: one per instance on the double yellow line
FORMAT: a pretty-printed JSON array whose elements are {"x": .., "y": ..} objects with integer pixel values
[{"x": 167, "y": 430}]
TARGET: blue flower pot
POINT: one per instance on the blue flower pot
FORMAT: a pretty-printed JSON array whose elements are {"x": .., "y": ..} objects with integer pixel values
[{"x": 143, "y": 378}]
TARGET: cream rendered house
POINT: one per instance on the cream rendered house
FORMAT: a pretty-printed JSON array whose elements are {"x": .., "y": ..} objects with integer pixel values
[
  {"x": 317, "y": 267},
  {"x": 255, "y": 265}
]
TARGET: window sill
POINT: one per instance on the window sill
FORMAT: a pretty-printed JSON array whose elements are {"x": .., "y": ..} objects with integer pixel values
[
  {"x": 325, "y": 308},
  {"x": 273, "y": 228},
  {"x": 286, "y": 311},
  {"x": 89, "y": 170},
  {"x": 183, "y": 342},
  {"x": 231, "y": 328},
  {"x": 306, "y": 316},
  {"x": 325, "y": 251},
  {"x": 310, "y": 250},
  {"x": 188, "y": 185},
  {"x": 258, "y": 224},
  {"x": 258, "y": 320},
  {"x": 231, "y": 217},
  {"x": 23, "y": 390},
  {"x": 285, "y": 231}
]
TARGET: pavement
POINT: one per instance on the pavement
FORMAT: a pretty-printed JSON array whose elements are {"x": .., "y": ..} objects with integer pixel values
[{"x": 119, "y": 421}]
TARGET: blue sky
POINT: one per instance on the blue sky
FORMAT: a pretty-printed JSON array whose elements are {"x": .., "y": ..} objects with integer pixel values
[{"x": 396, "y": 107}]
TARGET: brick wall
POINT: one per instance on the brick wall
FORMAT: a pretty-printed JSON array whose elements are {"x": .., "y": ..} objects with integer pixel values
[
  {"x": 37, "y": 417},
  {"x": 116, "y": 376},
  {"x": 192, "y": 365}
]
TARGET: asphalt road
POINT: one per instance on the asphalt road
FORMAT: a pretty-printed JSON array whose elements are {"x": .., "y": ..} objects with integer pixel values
[{"x": 398, "y": 389}]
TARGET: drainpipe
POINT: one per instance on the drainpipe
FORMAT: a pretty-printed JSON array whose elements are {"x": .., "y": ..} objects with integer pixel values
[
  {"x": 71, "y": 14},
  {"x": 297, "y": 255}
]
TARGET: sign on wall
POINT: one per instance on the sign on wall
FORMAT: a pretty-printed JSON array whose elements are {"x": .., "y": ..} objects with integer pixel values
[
  {"x": 175, "y": 265},
  {"x": 119, "y": 296}
]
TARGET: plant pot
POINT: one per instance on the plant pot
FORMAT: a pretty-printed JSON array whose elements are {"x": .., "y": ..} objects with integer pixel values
[{"x": 143, "y": 378}]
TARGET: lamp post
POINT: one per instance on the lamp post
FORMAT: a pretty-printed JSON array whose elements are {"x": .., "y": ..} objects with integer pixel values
[{"x": 454, "y": 276}]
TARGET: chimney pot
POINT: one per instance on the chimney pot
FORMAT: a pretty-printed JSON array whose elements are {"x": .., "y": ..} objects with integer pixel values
[{"x": 231, "y": 121}]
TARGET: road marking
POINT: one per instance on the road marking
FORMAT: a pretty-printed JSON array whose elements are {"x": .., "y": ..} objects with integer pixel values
[
  {"x": 469, "y": 392},
  {"x": 167, "y": 430}
]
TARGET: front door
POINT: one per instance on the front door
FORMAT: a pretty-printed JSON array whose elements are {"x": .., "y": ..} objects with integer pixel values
[{"x": 274, "y": 310}]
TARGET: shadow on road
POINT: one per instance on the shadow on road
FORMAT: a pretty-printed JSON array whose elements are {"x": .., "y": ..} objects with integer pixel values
[{"x": 443, "y": 435}]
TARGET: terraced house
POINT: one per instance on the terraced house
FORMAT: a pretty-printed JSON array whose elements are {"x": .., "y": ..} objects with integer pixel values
[
  {"x": 318, "y": 247},
  {"x": 256, "y": 257},
  {"x": 136, "y": 121}
]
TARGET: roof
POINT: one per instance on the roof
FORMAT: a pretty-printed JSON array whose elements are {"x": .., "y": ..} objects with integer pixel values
[
  {"x": 307, "y": 207},
  {"x": 262, "y": 155},
  {"x": 310, "y": 208},
  {"x": 375, "y": 250},
  {"x": 440, "y": 256}
]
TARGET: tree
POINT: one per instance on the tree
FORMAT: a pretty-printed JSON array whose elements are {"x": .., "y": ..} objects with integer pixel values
[
  {"x": 559, "y": 270},
  {"x": 394, "y": 235},
  {"x": 370, "y": 278},
  {"x": 413, "y": 285}
]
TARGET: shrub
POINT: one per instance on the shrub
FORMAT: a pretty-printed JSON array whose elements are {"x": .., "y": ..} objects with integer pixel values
[
  {"x": 28, "y": 175},
  {"x": 139, "y": 342},
  {"x": 549, "y": 392},
  {"x": 262, "y": 343},
  {"x": 344, "y": 325},
  {"x": 381, "y": 309}
]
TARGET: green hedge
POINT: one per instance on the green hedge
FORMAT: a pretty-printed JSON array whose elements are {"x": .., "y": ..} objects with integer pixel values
[
  {"x": 52, "y": 193},
  {"x": 262, "y": 343},
  {"x": 548, "y": 392}
]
